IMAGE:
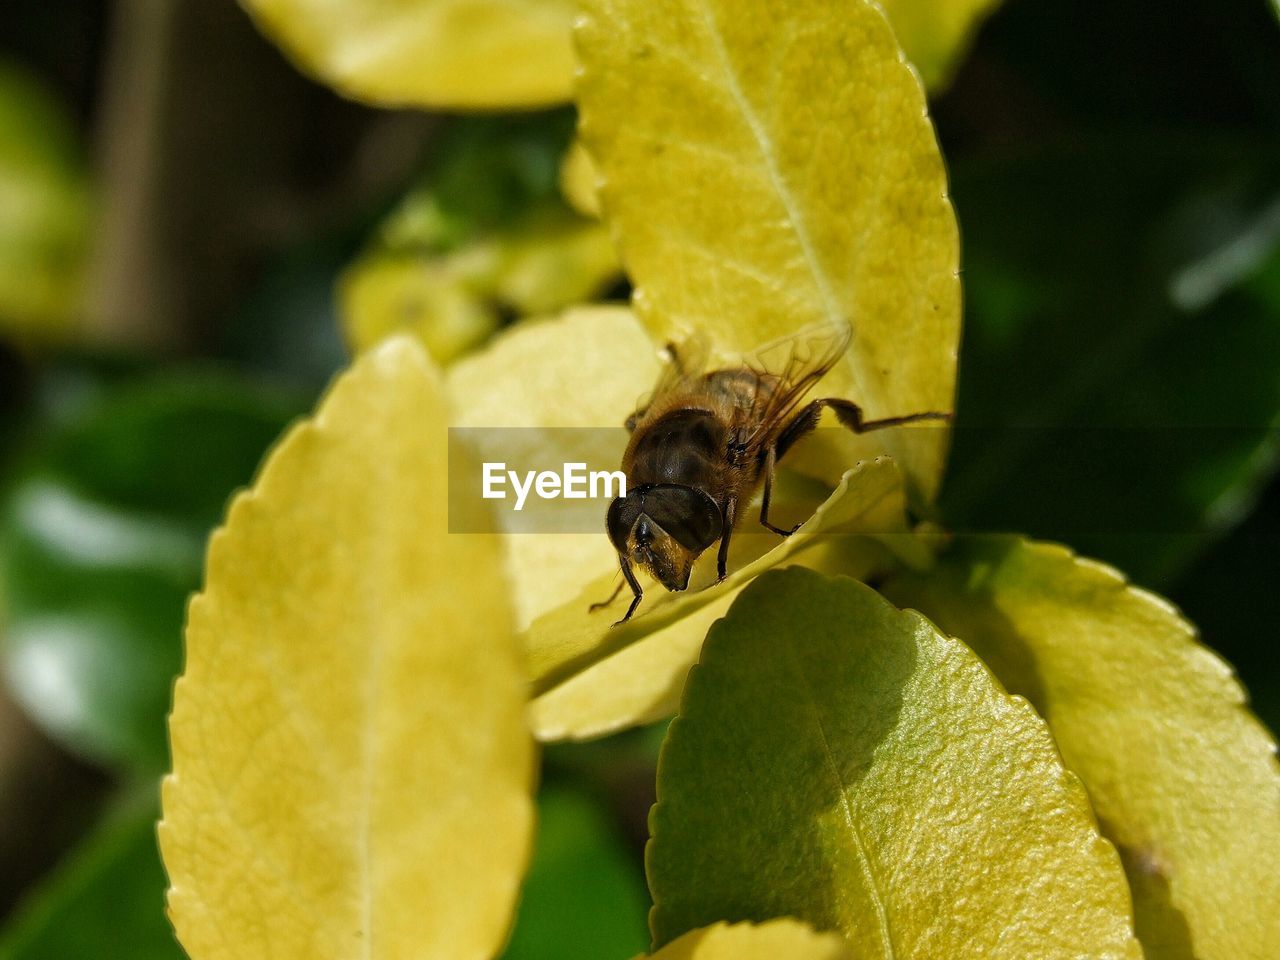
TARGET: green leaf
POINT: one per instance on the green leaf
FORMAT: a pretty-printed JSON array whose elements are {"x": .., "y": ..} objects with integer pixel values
[
  {"x": 106, "y": 899},
  {"x": 842, "y": 762},
  {"x": 1121, "y": 385},
  {"x": 287, "y": 329},
  {"x": 103, "y": 533},
  {"x": 485, "y": 173},
  {"x": 768, "y": 941},
  {"x": 761, "y": 177},
  {"x": 46, "y": 208},
  {"x": 1184, "y": 780},
  {"x": 443, "y": 54},
  {"x": 585, "y": 894},
  {"x": 352, "y": 769}
]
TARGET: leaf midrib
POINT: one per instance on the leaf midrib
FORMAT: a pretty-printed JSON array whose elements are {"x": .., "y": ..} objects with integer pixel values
[
  {"x": 376, "y": 604},
  {"x": 826, "y": 293},
  {"x": 859, "y": 845}
]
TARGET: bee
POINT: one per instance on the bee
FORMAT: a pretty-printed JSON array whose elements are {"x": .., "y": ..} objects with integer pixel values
[{"x": 704, "y": 443}]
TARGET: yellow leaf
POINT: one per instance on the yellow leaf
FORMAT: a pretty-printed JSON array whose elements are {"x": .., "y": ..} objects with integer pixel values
[
  {"x": 453, "y": 301},
  {"x": 772, "y": 168},
  {"x": 352, "y": 768},
  {"x": 578, "y": 180},
  {"x": 577, "y": 659},
  {"x": 1183, "y": 778},
  {"x": 382, "y": 295},
  {"x": 483, "y": 54},
  {"x": 587, "y": 369},
  {"x": 554, "y": 262},
  {"x": 445, "y": 54},
  {"x": 935, "y": 34},
  {"x": 642, "y": 681},
  {"x": 775, "y": 940}
]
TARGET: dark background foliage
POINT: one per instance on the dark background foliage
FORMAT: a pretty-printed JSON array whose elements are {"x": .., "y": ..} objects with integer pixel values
[{"x": 1116, "y": 170}]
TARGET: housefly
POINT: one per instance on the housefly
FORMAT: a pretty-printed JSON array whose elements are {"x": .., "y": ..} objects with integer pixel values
[{"x": 706, "y": 440}]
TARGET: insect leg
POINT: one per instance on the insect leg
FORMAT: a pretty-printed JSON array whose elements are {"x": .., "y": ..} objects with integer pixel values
[
  {"x": 728, "y": 515},
  {"x": 770, "y": 466},
  {"x": 634, "y": 584},
  {"x": 849, "y": 414},
  {"x": 673, "y": 353},
  {"x": 672, "y": 350},
  {"x": 631, "y": 581}
]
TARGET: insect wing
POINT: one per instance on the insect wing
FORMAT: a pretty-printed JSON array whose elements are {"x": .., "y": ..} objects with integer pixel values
[
  {"x": 794, "y": 365},
  {"x": 687, "y": 361}
]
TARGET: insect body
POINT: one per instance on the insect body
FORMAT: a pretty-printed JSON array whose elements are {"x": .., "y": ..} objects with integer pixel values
[{"x": 703, "y": 444}]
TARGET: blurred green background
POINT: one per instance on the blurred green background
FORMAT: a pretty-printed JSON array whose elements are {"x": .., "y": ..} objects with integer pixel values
[{"x": 177, "y": 205}]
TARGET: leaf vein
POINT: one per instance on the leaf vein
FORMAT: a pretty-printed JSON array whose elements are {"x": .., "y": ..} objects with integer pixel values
[
  {"x": 770, "y": 163},
  {"x": 859, "y": 845}
]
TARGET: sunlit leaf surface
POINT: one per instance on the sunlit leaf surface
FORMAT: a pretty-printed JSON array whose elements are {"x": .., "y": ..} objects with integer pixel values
[
  {"x": 767, "y": 941},
  {"x": 771, "y": 169},
  {"x": 430, "y": 53},
  {"x": 351, "y": 762},
  {"x": 1183, "y": 778},
  {"x": 45, "y": 211},
  {"x": 842, "y": 762}
]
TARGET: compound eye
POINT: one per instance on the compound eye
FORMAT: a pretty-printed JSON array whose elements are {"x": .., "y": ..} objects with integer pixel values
[
  {"x": 620, "y": 519},
  {"x": 688, "y": 514}
]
